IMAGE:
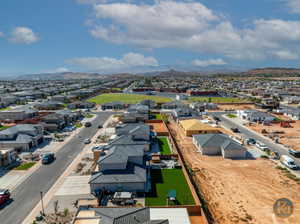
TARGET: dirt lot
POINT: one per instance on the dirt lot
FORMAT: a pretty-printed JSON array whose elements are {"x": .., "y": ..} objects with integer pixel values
[
  {"x": 240, "y": 191},
  {"x": 290, "y": 138}
]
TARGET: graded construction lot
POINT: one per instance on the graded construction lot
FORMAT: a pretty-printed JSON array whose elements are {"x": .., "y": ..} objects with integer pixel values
[
  {"x": 165, "y": 180},
  {"x": 239, "y": 191},
  {"x": 126, "y": 98},
  {"x": 234, "y": 107},
  {"x": 289, "y": 137}
]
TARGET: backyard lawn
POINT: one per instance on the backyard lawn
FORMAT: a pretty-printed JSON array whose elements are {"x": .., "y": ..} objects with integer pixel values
[
  {"x": 157, "y": 116},
  {"x": 164, "y": 146},
  {"x": 216, "y": 99},
  {"x": 231, "y": 115},
  {"x": 25, "y": 166},
  {"x": 126, "y": 98},
  {"x": 164, "y": 180}
]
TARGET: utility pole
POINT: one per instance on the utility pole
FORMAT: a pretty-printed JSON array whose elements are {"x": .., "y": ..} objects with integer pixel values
[{"x": 43, "y": 210}]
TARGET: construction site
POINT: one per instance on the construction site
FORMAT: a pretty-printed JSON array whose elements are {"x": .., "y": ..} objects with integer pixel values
[
  {"x": 237, "y": 191},
  {"x": 283, "y": 132}
]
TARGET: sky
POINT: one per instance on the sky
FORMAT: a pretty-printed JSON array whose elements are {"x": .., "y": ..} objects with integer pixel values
[{"x": 46, "y": 36}]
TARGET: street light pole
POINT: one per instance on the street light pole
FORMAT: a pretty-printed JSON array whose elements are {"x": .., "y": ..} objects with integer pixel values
[{"x": 43, "y": 210}]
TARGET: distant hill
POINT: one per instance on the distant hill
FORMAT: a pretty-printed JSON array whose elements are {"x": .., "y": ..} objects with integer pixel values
[{"x": 274, "y": 71}]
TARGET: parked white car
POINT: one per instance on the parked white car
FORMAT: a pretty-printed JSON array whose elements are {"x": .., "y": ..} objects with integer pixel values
[
  {"x": 288, "y": 162},
  {"x": 261, "y": 146}
]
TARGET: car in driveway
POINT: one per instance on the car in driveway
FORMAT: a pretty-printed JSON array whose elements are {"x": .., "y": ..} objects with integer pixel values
[
  {"x": 4, "y": 196},
  {"x": 87, "y": 141},
  {"x": 295, "y": 153},
  {"x": 261, "y": 146}
]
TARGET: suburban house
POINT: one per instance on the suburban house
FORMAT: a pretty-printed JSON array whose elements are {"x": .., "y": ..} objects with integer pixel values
[
  {"x": 184, "y": 113},
  {"x": 18, "y": 114},
  {"x": 113, "y": 106},
  {"x": 219, "y": 144},
  {"x": 138, "y": 130},
  {"x": 121, "y": 164},
  {"x": 21, "y": 137},
  {"x": 136, "y": 113},
  {"x": 173, "y": 105},
  {"x": 49, "y": 105},
  {"x": 142, "y": 215},
  {"x": 81, "y": 105},
  {"x": 194, "y": 127},
  {"x": 53, "y": 122},
  {"x": 255, "y": 116},
  {"x": 58, "y": 120},
  {"x": 202, "y": 106},
  {"x": 150, "y": 103},
  {"x": 293, "y": 113},
  {"x": 59, "y": 98},
  {"x": 122, "y": 168}
]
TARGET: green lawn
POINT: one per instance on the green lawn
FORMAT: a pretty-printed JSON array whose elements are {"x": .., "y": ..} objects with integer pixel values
[
  {"x": 5, "y": 108},
  {"x": 126, "y": 98},
  {"x": 78, "y": 125},
  {"x": 89, "y": 115},
  {"x": 216, "y": 99},
  {"x": 25, "y": 166},
  {"x": 157, "y": 116},
  {"x": 164, "y": 146},
  {"x": 165, "y": 180},
  {"x": 231, "y": 115}
]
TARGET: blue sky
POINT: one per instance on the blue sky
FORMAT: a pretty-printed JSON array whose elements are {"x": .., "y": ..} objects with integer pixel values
[{"x": 111, "y": 36}]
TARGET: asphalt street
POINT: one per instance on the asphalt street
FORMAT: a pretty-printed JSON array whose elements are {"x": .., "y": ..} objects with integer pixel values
[
  {"x": 27, "y": 195},
  {"x": 250, "y": 134}
]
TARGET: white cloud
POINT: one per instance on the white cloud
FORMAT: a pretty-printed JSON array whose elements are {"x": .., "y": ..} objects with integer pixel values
[
  {"x": 23, "y": 35},
  {"x": 294, "y": 5},
  {"x": 286, "y": 55},
  {"x": 206, "y": 63},
  {"x": 192, "y": 26},
  {"x": 105, "y": 63},
  {"x": 1, "y": 34}
]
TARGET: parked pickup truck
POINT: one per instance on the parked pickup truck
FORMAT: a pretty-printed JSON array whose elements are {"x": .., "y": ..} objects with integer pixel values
[{"x": 4, "y": 196}]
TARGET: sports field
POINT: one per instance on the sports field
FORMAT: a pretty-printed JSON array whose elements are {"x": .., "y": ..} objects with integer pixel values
[{"x": 126, "y": 98}]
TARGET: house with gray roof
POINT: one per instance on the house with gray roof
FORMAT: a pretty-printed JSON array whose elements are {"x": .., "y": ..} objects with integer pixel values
[
  {"x": 21, "y": 137},
  {"x": 113, "y": 106},
  {"x": 18, "y": 114},
  {"x": 136, "y": 113},
  {"x": 105, "y": 215},
  {"x": 122, "y": 168},
  {"x": 219, "y": 144},
  {"x": 255, "y": 116}
]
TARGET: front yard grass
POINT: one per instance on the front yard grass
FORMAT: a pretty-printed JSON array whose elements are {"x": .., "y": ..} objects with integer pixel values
[
  {"x": 164, "y": 180},
  {"x": 216, "y": 99},
  {"x": 164, "y": 147},
  {"x": 89, "y": 115},
  {"x": 126, "y": 98},
  {"x": 231, "y": 115},
  {"x": 25, "y": 166}
]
